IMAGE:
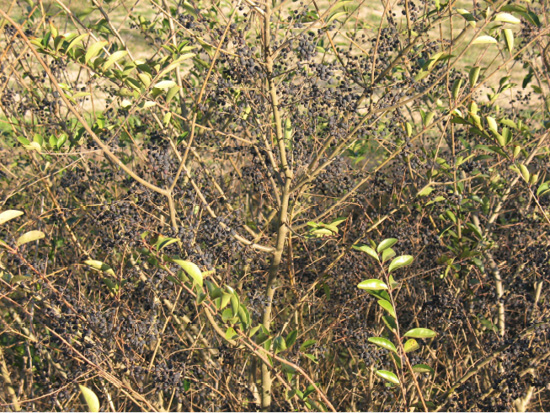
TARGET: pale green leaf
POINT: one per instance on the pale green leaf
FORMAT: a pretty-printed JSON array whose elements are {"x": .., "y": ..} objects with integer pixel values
[
  {"x": 387, "y": 243},
  {"x": 113, "y": 58},
  {"x": 192, "y": 270},
  {"x": 372, "y": 284},
  {"x": 388, "y": 375},
  {"x": 507, "y": 18},
  {"x": 411, "y": 345},
  {"x": 91, "y": 399},
  {"x": 100, "y": 266},
  {"x": 420, "y": 333},
  {"x": 384, "y": 343},
  {"x": 9, "y": 215},
  {"x": 400, "y": 261},
  {"x": 368, "y": 250},
  {"x": 29, "y": 237},
  {"x": 485, "y": 40},
  {"x": 94, "y": 50},
  {"x": 386, "y": 305}
]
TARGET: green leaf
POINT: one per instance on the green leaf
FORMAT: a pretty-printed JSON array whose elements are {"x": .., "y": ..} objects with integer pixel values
[
  {"x": 420, "y": 333},
  {"x": 307, "y": 343},
  {"x": 411, "y": 345},
  {"x": 192, "y": 270},
  {"x": 388, "y": 375},
  {"x": 400, "y": 261},
  {"x": 387, "y": 254},
  {"x": 234, "y": 304},
  {"x": 311, "y": 357},
  {"x": 485, "y": 40},
  {"x": 279, "y": 344},
  {"x": 469, "y": 17},
  {"x": 507, "y": 18},
  {"x": 524, "y": 172},
  {"x": 543, "y": 188},
  {"x": 171, "y": 93},
  {"x": 94, "y": 49},
  {"x": 493, "y": 127},
  {"x": 75, "y": 41},
  {"x": 29, "y": 237},
  {"x": 427, "y": 190},
  {"x": 231, "y": 334},
  {"x": 387, "y": 243},
  {"x": 509, "y": 38},
  {"x": 91, "y": 399},
  {"x": 253, "y": 331},
  {"x": 224, "y": 300},
  {"x": 390, "y": 322},
  {"x": 291, "y": 338},
  {"x": 100, "y": 266},
  {"x": 423, "y": 368},
  {"x": 474, "y": 75},
  {"x": 163, "y": 241},
  {"x": 386, "y": 305},
  {"x": 9, "y": 215},
  {"x": 384, "y": 343},
  {"x": 372, "y": 284},
  {"x": 368, "y": 250},
  {"x": 176, "y": 63},
  {"x": 457, "y": 84},
  {"x": 113, "y": 58},
  {"x": 165, "y": 84}
]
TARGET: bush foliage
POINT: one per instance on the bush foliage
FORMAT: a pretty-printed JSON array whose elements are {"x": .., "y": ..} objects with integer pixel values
[{"x": 241, "y": 206}]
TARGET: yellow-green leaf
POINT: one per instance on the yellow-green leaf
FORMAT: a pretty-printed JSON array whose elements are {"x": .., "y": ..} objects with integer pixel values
[
  {"x": 113, "y": 58},
  {"x": 29, "y": 237},
  {"x": 100, "y": 266},
  {"x": 524, "y": 172},
  {"x": 388, "y": 375},
  {"x": 91, "y": 399},
  {"x": 384, "y": 343},
  {"x": 386, "y": 305},
  {"x": 368, "y": 250},
  {"x": 9, "y": 215},
  {"x": 507, "y": 18},
  {"x": 372, "y": 284},
  {"x": 94, "y": 50},
  {"x": 399, "y": 262},
  {"x": 411, "y": 345},
  {"x": 485, "y": 40},
  {"x": 420, "y": 333},
  {"x": 509, "y": 38},
  {"x": 191, "y": 269}
]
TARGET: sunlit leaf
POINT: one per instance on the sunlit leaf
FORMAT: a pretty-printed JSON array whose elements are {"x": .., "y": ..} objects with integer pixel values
[
  {"x": 384, "y": 343},
  {"x": 388, "y": 375},
  {"x": 400, "y": 261},
  {"x": 9, "y": 215},
  {"x": 372, "y": 284},
  {"x": 100, "y": 266},
  {"x": 29, "y": 237},
  {"x": 423, "y": 368},
  {"x": 420, "y": 333},
  {"x": 94, "y": 49},
  {"x": 91, "y": 399},
  {"x": 368, "y": 250},
  {"x": 507, "y": 18},
  {"x": 485, "y": 40},
  {"x": 411, "y": 345},
  {"x": 113, "y": 58},
  {"x": 386, "y": 305},
  {"x": 192, "y": 270},
  {"x": 387, "y": 243}
]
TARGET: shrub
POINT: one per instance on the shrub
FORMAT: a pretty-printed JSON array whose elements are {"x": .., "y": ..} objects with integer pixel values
[{"x": 203, "y": 184}]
